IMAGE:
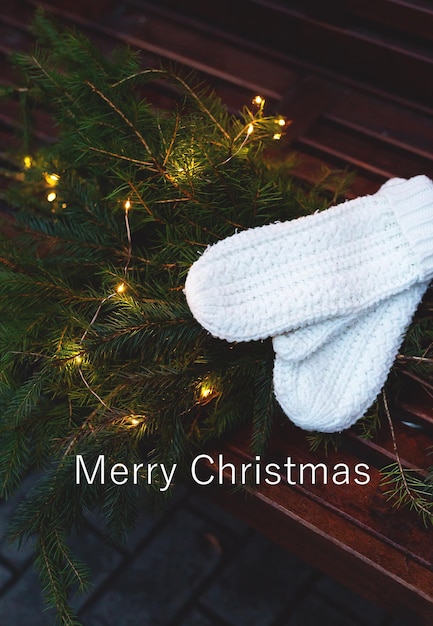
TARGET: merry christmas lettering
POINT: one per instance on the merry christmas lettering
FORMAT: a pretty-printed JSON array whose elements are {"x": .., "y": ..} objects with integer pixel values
[{"x": 205, "y": 471}]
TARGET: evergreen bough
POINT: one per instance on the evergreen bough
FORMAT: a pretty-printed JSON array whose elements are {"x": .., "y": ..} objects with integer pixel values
[{"x": 99, "y": 352}]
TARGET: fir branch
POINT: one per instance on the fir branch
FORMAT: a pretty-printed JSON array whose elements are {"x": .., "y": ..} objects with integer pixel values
[
  {"x": 192, "y": 93},
  {"x": 416, "y": 359},
  {"x": 52, "y": 557},
  {"x": 263, "y": 410},
  {"x": 370, "y": 424},
  {"x": 324, "y": 440},
  {"x": 156, "y": 165},
  {"x": 169, "y": 149},
  {"x": 143, "y": 203},
  {"x": 406, "y": 487},
  {"x": 129, "y": 159}
]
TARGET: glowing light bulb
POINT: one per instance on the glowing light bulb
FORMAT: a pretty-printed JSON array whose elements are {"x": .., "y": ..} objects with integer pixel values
[
  {"x": 121, "y": 288},
  {"x": 134, "y": 420},
  {"x": 277, "y": 136},
  {"x": 51, "y": 179},
  {"x": 51, "y": 196},
  {"x": 28, "y": 162},
  {"x": 281, "y": 121},
  {"x": 127, "y": 204},
  {"x": 205, "y": 391},
  {"x": 78, "y": 359},
  {"x": 250, "y": 129},
  {"x": 258, "y": 100}
]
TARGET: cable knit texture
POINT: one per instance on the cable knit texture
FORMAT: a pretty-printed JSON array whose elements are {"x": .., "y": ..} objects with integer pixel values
[
  {"x": 330, "y": 390},
  {"x": 268, "y": 280},
  {"x": 298, "y": 344}
]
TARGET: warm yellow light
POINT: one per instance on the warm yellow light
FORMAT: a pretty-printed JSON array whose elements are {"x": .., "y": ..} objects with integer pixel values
[
  {"x": 277, "y": 136},
  {"x": 52, "y": 179},
  {"x": 28, "y": 162},
  {"x": 78, "y": 360},
  {"x": 121, "y": 288},
  {"x": 205, "y": 391},
  {"x": 127, "y": 205},
  {"x": 134, "y": 420},
  {"x": 258, "y": 100},
  {"x": 281, "y": 121},
  {"x": 250, "y": 129},
  {"x": 51, "y": 196},
  {"x": 64, "y": 205}
]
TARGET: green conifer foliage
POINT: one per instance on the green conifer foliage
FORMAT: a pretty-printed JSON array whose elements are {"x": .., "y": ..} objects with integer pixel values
[{"x": 99, "y": 352}]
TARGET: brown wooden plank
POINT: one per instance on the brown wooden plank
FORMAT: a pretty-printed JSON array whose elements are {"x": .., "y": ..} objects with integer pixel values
[
  {"x": 350, "y": 146},
  {"x": 363, "y": 55},
  {"x": 364, "y": 506},
  {"x": 387, "y": 122},
  {"x": 16, "y": 14},
  {"x": 315, "y": 171},
  {"x": 412, "y": 445},
  {"x": 44, "y": 127},
  {"x": 418, "y": 403},
  {"x": 306, "y": 100},
  {"x": 403, "y": 16}
]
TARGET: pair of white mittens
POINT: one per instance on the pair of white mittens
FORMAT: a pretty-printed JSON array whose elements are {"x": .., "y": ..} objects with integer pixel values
[{"x": 335, "y": 290}]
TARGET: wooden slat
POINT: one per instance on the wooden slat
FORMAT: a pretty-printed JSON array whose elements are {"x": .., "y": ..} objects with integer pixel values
[
  {"x": 364, "y": 151},
  {"x": 387, "y": 64},
  {"x": 315, "y": 171},
  {"x": 418, "y": 404},
  {"x": 305, "y": 101},
  {"x": 403, "y": 16},
  {"x": 388, "y": 122},
  {"x": 348, "y": 500}
]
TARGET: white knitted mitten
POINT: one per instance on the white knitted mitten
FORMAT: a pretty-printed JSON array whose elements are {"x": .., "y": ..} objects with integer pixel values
[
  {"x": 300, "y": 343},
  {"x": 333, "y": 387},
  {"x": 266, "y": 281}
]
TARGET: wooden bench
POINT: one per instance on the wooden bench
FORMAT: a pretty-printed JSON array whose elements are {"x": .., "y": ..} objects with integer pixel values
[{"x": 355, "y": 78}]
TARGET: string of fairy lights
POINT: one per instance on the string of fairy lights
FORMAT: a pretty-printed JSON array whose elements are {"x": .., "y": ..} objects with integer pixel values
[{"x": 206, "y": 390}]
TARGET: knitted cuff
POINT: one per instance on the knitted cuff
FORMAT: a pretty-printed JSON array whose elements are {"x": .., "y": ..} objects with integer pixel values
[{"x": 412, "y": 204}]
